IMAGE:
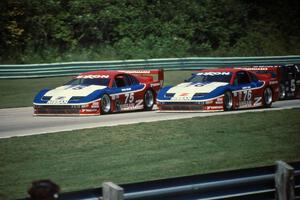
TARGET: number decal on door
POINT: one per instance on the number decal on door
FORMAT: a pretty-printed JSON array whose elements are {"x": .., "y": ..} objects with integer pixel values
[{"x": 129, "y": 98}]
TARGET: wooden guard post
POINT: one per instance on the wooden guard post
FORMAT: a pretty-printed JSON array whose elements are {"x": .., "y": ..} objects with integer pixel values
[
  {"x": 111, "y": 191},
  {"x": 284, "y": 181}
]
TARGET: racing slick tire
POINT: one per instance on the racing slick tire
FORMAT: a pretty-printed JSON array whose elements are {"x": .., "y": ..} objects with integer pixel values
[
  {"x": 267, "y": 97},
  {"x": 228, "y": 101},
  {"x": 105, "y": 105},
  {"x": 148, "y": 100},
  {"x": 282, "y": 93}
]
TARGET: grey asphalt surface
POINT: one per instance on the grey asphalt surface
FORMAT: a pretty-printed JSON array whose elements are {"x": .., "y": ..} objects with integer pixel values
[{"x": 21, "y": 122}]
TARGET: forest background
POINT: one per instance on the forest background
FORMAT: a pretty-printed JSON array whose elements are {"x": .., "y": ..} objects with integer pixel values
[{"x": 41, "y": 31}]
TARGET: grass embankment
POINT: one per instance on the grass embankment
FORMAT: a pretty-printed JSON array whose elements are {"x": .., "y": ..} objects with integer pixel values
[
  {"x": 145, "y": 151},
  {"x": 20, "y": 92}
]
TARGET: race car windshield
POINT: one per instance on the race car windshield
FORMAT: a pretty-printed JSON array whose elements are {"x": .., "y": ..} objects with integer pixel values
[
  {"x": 203, "y": 77},
  {"x": 89, "y": 81}
]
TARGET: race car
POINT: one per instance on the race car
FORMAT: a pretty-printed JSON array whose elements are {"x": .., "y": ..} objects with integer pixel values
[
  {"x": 288, "y": 77},
  {"x": 219, "y": 90},
  {"x": 101, "y": 92}
]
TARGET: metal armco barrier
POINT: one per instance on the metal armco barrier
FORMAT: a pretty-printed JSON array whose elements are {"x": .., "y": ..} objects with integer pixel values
[
  {"x": 264, "y": 183},
  {"x": 74, "y": 68}
]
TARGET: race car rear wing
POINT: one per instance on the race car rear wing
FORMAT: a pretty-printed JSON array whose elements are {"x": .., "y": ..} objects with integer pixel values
[
  {"x": 263, "y": 71},
  {"x": 155, "y": 75}
]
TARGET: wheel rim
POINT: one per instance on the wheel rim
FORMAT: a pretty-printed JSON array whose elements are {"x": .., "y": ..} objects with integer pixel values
[
  {"x": 282, "y": 92},
  {"x": 105, "y": 103},
  {"x": 228, "y": 101},
  {"x": 268, "y": 96},
  {"x": 149, "y": 100}
]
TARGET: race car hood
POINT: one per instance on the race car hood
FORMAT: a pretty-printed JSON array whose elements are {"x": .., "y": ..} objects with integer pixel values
[
  {"x": 188, "y": 90},
  {"x": 64, "y": 93}
]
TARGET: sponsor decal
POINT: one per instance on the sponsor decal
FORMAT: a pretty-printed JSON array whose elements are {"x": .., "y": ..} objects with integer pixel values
[
  {"x": 257, "y": 101},
  {"x": 126, "y": 89},
  {"x": 245, "y": 88},
  {"x": 214, "y": 73},
  {"x": 219, "y": 100},
  {"x": 92, "y": 76},
  {"x": 95, "y": 105},
  {"x": 88, "y": 110},
  {"x": 214, "y": 108},
  {"x": 58, "y": 100},
  {"x": 155, "y": 84},
  {"x": 181, "y": 98},
  {"x": 273, "y": 82}
]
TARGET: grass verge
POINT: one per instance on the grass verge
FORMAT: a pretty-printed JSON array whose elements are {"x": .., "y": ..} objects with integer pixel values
[
  {"x": 146, "y": 151},
  {"x": 20, "y": 92}
]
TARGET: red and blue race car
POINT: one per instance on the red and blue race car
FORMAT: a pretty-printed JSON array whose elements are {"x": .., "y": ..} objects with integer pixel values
[
  {"x": 288, "y": 77},
  {"x": 101, "y": 92},
  {"x": 219, "y": 90}
]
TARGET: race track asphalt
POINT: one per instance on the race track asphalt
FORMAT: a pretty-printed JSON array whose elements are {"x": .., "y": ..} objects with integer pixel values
[{"x": 21, "y": 122}]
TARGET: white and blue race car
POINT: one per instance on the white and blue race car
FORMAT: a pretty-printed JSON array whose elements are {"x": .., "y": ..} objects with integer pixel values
[
  {"x": 219, "y": 90},
  {"x": 101, "y": 92}
]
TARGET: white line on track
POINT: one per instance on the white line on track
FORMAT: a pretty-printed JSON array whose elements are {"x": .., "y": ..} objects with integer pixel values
[{"x": 21, "y": 122}]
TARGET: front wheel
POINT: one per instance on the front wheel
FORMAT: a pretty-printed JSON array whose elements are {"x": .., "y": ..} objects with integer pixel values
[
  {"x": 148, "y": 100},
  {"x": 267, "y": 97},
  {"x": 105, "y": 105},
  {"x": 228, "y": 101}
]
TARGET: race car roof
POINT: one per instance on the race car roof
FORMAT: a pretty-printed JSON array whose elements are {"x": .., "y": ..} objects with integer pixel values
[{"x": 109, "y": 73}]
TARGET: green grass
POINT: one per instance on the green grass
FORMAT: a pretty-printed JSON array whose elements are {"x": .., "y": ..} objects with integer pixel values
[
  {"x": 148, "y": 151},
  {"x": 20, "y": 92}
]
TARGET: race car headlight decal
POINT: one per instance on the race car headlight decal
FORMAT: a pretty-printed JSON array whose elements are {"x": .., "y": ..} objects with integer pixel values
[
  {"x": 169, "y": 95},
  {"x": 76, "y": 98},
  {"x": 46, "y": 98},
  {"x": 200, "y": 94},
  {"x": 209, "y": 102},
  {"x": 75, "y": 106},
  {"x": 85, "y": 106}
]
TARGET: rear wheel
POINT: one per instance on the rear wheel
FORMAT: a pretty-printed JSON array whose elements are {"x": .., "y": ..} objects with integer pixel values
[
  {"x": 148, "y": 100},
  {"x": 228, "y": 101},
  {"x": 267, "y": 97},
  {"x": 282, "y": 93},
  {"x": 105, "y": 104}
]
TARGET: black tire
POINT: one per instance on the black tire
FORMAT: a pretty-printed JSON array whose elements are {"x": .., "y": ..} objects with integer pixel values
[
  {"x": 148, "y": 100},
  {"x": 228, "y": 101},
  {"x": 105, "y": 105},
  {"x": 282, "y": 93},
  {"x": 267, "y": 97}
]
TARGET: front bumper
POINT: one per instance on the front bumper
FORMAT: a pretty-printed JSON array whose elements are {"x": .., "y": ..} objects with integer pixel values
[
  {"x": 196, "y": 106},
  {"x": 89, "y": 109}
]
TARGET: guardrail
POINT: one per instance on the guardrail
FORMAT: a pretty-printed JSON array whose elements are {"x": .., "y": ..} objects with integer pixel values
[
  {"x": 74, "y": 68},
  {"x": 281, "y": 182}
]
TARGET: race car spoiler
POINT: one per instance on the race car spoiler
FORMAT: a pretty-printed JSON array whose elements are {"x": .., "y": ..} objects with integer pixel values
[
  {"x": 263, "y": 72},
  {"x": 259, "y": 67},
  {"x": 158, "y": 73}
]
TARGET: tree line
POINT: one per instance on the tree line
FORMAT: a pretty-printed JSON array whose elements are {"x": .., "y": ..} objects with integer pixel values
[{"x": 34, "y": 31}]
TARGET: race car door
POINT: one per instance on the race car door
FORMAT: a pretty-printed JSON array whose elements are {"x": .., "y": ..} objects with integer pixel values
[
  {"x": 129, "y": 92},
  {"x": 246, "y": 90}
]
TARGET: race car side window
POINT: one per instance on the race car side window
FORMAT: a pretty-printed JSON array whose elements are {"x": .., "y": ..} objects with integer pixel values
[
  {"x": 253, "y": 77},
  {"x": 242, "y": 78},
  {"x": 120, "y": 81},
  {"x": 131, "y": 80}
]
